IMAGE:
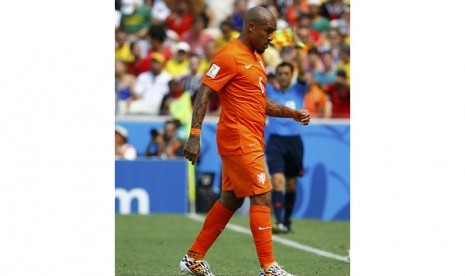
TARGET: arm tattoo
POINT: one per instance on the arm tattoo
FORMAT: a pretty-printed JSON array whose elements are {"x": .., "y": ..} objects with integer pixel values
[
  {"x": 275, "y": 110},
  {"x": 200, "y": 106}
]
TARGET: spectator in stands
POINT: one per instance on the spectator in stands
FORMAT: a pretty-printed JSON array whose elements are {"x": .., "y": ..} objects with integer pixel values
[
  {"x": 136, "y": 67},
  {"x": 333, "y": 9},
  {"x": 339, "y": 92},
  {"x": 160, "y": 13},
  {"x": 136, "y": 18},
  {"x": 328, "y": 75},
  {"x": 209, "y": 49},
  {"x": 272, "y": 58},
  {"x": 123, "y": 48},
  {"x": 178, "y": 65},
  {"x": 169, "y": 145},
  {"x": 295, "y": 10},
  {"x": 315, "y": 63},
  {"x": 125, "y": 83},
  {"x": 280, "y": 22},
  {"x": 191, "y": 82},
  {"x": 343, "y": 25},
  {"x": 157, "y": 37},
  {"x": 309, "y": 37},
  {"x": 154, "y": 143},
  {"x": 150, "y": 88},
  {"x": 123, "y": 150},
  {"x": 333, "y": 44},
  {"x": 344, "y": 63},
  {"x": 197, "y": 36},
  {"x": 201, "y": 7},
  {"x": 117, "y": 16},
  {"x": 227, "y": 34},
  {"x": 315, "y": 100},
  {"x": 317, "y": 22},
  {"x": 239, "y": 10},
  {"x": 181, "y": 17},
  {"x": 174, "y": 92}
]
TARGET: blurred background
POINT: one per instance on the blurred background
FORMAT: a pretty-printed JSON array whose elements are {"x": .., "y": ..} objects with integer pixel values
[{"x": 163, "y": 49}]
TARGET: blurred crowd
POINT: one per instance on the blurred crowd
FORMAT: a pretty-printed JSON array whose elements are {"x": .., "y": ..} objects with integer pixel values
[{"x": 164, "y": 47}]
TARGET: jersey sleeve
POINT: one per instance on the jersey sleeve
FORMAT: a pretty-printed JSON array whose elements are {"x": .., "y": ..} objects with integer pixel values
[{"x": 222, "y": 70}]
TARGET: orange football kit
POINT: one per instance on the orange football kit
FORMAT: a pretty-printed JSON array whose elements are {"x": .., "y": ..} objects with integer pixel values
[{"x": 238, "y": 76}]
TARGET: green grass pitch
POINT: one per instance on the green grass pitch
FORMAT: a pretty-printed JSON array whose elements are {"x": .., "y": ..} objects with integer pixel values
[{"x": 154, "y": 244}]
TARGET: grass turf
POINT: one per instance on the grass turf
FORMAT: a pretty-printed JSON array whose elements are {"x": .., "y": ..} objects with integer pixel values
[{"x": 154, "y": 244}]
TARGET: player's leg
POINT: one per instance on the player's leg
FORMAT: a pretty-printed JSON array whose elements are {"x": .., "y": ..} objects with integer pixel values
[
  {"x": 250, "y": 179},
  {"x": 217, "y": 219},
  {"x": 260, "y": 225},
  {"x": 214, "y": 223}
]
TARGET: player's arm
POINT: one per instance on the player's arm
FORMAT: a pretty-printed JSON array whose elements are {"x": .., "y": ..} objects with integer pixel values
[
  {"x": 276, "y": 110},
  {"x": 192, "y": 147}
]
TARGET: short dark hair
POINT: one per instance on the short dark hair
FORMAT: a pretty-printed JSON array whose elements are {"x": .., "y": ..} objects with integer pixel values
[{"x": 284, "y": 64}]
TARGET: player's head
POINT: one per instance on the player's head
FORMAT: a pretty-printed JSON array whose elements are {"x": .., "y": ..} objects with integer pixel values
[
  {"x": 284, "y": 73},
  {"x": 259, "y": 26}
]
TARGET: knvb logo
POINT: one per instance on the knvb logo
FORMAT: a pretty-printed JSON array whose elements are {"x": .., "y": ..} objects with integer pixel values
[
  {"x": 261, "y": 177},
  {"x": 126, "y": 197}
]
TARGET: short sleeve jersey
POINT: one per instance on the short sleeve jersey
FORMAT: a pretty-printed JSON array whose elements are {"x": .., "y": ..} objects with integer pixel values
[{"x": 238, "y": 76}]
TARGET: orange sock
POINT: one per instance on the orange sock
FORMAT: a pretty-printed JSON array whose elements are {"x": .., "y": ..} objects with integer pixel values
[
  {"x": 214, "y": 224},
  {"x": 260, "y": 225}
]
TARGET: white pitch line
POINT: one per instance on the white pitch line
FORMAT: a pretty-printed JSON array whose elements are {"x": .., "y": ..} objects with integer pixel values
[{"x": 243, "y": 230}]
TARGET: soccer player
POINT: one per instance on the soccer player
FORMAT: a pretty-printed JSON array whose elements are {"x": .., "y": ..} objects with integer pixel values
[
  {"x": 237, "y": 75},
  {"x": 284, "y": 150}
]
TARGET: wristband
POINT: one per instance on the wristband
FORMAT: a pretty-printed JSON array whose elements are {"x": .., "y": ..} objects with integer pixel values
[{"x": 195, "y": 131}]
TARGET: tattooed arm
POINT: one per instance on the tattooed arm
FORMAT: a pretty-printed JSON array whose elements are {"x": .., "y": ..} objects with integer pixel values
[
  {"x": 192, "y": 147},
  {"x": 275, "y": 110}
]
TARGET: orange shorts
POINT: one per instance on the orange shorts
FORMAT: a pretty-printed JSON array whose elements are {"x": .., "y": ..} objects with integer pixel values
[{"x": 245, "y": 174}]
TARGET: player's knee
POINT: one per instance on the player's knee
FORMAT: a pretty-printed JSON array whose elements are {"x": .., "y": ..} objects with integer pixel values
[
  {"x": 231, "y": 202},
  {"x": 261, "y": 200}
]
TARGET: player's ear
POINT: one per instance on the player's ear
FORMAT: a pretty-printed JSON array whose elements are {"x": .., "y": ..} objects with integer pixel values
[{"x": 251, "y": 26}]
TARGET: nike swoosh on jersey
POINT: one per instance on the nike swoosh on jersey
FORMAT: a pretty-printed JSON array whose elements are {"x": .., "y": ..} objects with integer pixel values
[{"x": 248, "y": 66}]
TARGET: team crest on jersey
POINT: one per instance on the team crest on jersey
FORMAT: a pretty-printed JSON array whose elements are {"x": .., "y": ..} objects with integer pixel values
[
  {"x": 261, "y": 177},
  {"x": 213, "y": 71}
]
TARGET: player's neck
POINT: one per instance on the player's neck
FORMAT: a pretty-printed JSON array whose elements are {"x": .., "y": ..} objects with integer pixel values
[{"x": 245, "y": 42}]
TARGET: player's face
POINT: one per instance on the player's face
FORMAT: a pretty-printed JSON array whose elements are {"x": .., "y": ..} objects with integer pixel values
[
  {"x": 262, "y": 34},
  {"x": 284, "y": 76}
]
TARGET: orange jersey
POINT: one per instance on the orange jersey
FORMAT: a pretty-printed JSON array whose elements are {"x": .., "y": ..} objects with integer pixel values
[{"x": 238, "y": 76}]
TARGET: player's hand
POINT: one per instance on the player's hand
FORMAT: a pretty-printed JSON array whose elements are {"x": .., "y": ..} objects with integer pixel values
[
  {"x": 302, "y": 116},
  {"x": 192, "y": 148}
]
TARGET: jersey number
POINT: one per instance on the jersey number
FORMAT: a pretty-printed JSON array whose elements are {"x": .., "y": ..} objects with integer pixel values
[{"x": 261, "y": 85}]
